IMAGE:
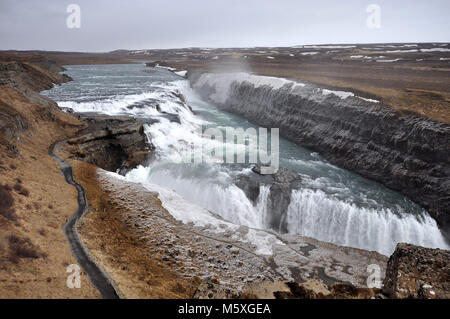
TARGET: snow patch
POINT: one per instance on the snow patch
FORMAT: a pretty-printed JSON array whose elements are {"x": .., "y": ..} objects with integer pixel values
[
  {"x": 326, "y": 46},
  {"x": 435, "y": 50},
  {"x": 402, "y": 51},
  {"x": 165, "y": 67},
  {"x": 309, "y": 53},
  {"x": 388, "y": 61},
  {"x": 342, "y": 94},
  {"x": 181, "y": 73}
]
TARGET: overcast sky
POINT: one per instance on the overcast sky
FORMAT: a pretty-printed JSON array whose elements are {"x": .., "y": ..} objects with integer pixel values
[{"x": 145, "y": 24}]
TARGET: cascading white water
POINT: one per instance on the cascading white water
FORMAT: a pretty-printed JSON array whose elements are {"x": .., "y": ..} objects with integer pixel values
[
  {"x": 221, "y": 197},
  {"x": 314, "y": 209},
  {"x": 314, "y": 214},
  {"x": 311, "y": 213}
]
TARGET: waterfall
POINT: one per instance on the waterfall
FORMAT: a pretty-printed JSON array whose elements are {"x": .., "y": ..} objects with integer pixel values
[
  {"x": 313, "y": 214},
  {"x": 361, "y": 216}
]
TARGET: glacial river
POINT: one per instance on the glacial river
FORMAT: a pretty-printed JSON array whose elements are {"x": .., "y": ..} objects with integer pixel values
[{"x": 332, "y": 205}]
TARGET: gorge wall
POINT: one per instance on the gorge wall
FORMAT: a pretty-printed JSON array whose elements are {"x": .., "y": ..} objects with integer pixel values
[{"x": 405, "y": 152}]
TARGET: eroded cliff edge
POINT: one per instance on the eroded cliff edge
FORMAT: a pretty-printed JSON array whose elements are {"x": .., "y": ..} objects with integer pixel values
[
  {"x": 403, "y": 151},
  {"x": 35, "y": 200}
]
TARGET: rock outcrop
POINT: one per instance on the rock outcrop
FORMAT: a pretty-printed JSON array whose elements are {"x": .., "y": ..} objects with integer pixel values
[
  {"x": 405, "y": 152},
  {"x": 114, "y": 143},
  {"x": 418, "y": 272},
  {"x": 25, "y": 75},
  {"x": 280, "y": 183},
  {"x": 315, "y": 289},
  {"x": 12, "y": 123}
]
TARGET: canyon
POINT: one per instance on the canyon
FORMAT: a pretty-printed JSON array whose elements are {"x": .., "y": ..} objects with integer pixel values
[
  {"x": 350, "y": 132},
  {"x": 132, "y": 234}
]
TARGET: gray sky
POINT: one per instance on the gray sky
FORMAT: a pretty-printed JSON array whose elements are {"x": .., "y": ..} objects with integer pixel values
[{"x": 145, "y": 24}]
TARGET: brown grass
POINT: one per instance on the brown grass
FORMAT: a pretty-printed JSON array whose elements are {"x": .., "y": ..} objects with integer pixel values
[
  {"x": 43, "y": 179},
  {"x": 21, "y": 190},
  {"x": 7, "y": 203},
  {"x": 117, "y": 246},
  {"x": 22, "y": 248}
]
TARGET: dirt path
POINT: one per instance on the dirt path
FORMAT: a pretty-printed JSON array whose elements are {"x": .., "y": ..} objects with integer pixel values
[{"x": 97, "y": 277}]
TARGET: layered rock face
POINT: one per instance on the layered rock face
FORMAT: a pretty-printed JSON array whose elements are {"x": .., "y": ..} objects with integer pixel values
[
  {"x": 111, "y": 142},
  {"x": 23, "y": 75},
  {"x": 405, "y": 152},
  {"x": 418, "y": 272}
]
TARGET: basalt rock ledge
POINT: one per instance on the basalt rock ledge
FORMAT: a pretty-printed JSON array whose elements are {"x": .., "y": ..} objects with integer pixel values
[{"x": 114, "y": 143}]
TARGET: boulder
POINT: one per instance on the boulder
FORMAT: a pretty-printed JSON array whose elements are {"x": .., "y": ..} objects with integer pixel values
[
  {"x": 418, "y": 272},
  {"x": 310, "y": 289},
  {"x": 281, "y": 183}
]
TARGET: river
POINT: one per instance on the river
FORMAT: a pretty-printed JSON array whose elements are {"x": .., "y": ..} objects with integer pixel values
[{"x": 332, "y": 204}]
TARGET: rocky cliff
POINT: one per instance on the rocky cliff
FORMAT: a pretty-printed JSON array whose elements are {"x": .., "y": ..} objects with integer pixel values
[
  {"x": 405, "y": 152},
  {"x": 114, "y": 143},
  {"x": 27, "y": 75}
]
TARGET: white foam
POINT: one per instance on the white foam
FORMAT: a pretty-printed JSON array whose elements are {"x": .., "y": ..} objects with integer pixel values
[
  {"x": 309, "y": 53},
  {"x": 110, "y": 106},
  {"x": 190, "y": 213}
]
